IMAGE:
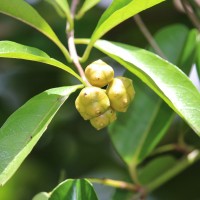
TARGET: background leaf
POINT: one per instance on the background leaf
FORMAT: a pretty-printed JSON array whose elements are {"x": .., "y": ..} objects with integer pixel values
[
  {"x": 187, "y": 58},
  {"x": 116, "y": 13},
  {"x": 9, "y": 49},
  {"x": 79, "y": 189},
  {"x": 161, "y": 170},
  {"x": 171, "y": 84},
  {"x": 167, "y": 37},
  {"x": 183, "y": 53},
  {"x": 155, "y": 168},
  {"x": 87, "y": 5},
  {"x": 22, "y": 11},
  {"x": 198, "y": 58},
  {"x": 129, "y": 129},
  {"x": 142, "y": 126},
  {"x": 24, "y": 128}
]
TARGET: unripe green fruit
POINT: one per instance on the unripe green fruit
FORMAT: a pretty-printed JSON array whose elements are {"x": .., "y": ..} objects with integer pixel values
[
  {"x": 92, "y": 102},
  {"x": 104, "y": 120},
  {"x": 99, "y": 73},
  {"x": 120, "y": 92}
]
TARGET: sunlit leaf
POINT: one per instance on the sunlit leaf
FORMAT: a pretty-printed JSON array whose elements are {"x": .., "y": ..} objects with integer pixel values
[
  {"x": 9, "y": 49},
  {"x": 22, "y": 11},
  {"x": 116, "y": 13},
  {"x": 169, "y": 82},
  {"x": 23, "y": 129}
]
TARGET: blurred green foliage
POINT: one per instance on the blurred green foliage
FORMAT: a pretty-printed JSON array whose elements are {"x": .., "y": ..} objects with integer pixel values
[{"x": 71, "y": 148}]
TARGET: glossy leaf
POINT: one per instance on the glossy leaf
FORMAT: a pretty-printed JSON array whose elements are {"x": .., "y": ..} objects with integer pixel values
[
  {"x": 9, "y": 49},
  {"x": 22, "y": 11},
  {"x": 167, "y": 37},
  {"x": 142, "y": 126},
  {"x": 157, "y": 116},
  {"x": 79, "y": 189},
  {"x": 116, "y": 13},
  {"x": 170, "y": 83},
  {"x": 23, "y": 129},
  {"x": 87, "y": 5}
]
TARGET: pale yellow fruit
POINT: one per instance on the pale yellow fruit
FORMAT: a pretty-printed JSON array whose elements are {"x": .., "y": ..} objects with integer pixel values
[
  {"x": 92, "y": 102},
  {"x": 99, "y": 73},
  {"x": 120, "y": 93},
  {"x": 104, "y": 120}
]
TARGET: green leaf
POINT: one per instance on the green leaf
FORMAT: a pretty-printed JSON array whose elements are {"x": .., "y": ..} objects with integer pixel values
[
  {"x": 167, "y": 37},
  {"x": 24, "y": 128},
  {"x": 140, "y": 134},
  {"x": 169, "y": 82},
  {"x": 188, "y": 54},
  {"x": 80, "y": 189},
  {"x": 198, "y": 58},
  {"x": 9, "y": 49},
  {"x": 63, "y": 4},
  {"x": 122, "y": 194},
  {"x": 155, "y": 168},
  {"x": 41, "y": 196},
  {"x": 57, "y": 8},
  {"x": 22, "y": 11},
  {"x": 160, "y": 170},
  {"x": 118, "y": 12},
  {"x": 87, "y": 5},
  {"x": 157, "y": 116},
  {"x": 63, "y": 9}
]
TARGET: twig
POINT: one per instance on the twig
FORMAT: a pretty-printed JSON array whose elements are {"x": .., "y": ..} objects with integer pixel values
[
  {"x": 116, "y": 184},
  {"x": 71, "y": 44},
  {"x": 182, "y": 148},
  {"x": 148, "y": 35},
  {"x": 178, "y": 167},
  {"x": 190, "y": 13}
]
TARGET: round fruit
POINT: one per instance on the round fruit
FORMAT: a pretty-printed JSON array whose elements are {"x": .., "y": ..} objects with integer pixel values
[
  {"x": 120, "y": 93},
  {"x": 104, "y": 120},
  {"x": 99, "y": 73},
  {"x": 92, "y": 102}
]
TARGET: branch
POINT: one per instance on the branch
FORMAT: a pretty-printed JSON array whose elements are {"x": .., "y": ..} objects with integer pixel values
[
  {"x": 116, "y": 184},
  {"x": 190, "y": 13},
  {"x": 182, "y": 164},
  {"x": 148, "y": 36},
  {"x": 71, "y": 44}
]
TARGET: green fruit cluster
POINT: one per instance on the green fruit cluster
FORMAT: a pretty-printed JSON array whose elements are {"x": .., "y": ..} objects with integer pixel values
[{"x": 99, "y": 105}]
